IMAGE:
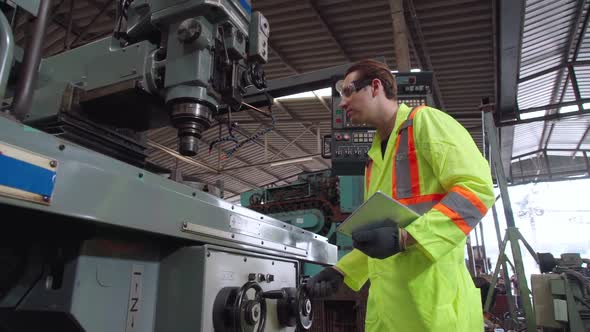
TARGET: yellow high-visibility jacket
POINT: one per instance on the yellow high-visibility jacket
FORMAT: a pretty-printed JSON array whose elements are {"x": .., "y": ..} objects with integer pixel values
[{"x": 432, "y": 165}]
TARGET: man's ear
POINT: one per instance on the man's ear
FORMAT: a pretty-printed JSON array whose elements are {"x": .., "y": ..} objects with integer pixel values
[{"x": 375, "y": 84}]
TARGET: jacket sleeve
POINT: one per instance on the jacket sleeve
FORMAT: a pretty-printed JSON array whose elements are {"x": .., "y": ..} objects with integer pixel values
[
  {"x": 464, "y": 174},
  {"x": 355, "y": 268}
]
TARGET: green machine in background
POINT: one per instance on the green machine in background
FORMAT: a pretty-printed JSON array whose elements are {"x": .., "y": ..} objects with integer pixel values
[{"x": 316, "y": 202}]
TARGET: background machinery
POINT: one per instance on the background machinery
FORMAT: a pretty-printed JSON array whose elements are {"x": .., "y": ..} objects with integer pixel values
[{"x": 561, "y": 294}]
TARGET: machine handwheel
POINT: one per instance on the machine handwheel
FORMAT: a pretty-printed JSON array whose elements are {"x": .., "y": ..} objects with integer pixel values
[
  {"x": 304, "y": 309},
  {"x": 240, "y": 309},
  {"x": 295, "y": 309}
]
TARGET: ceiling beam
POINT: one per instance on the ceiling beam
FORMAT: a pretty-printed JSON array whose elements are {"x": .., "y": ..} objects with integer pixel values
[
  {"x": 289, "y": 112},
  {"x": 201, "y": 164},
  {"x": 64, "y": 25},
  {"x": 282, "y": 135},
  {"x": 569, "y": 49},
  {"x": 400, "y": 37},
  {"x": 316, "y": 10},
  {"x": 308, "y": 128},
  {"x": 272, "y": 149},
  {"x": 243, "y": 160},
  {"x": 427, "y": 63},
  {"x": 509, "y": 46},
  {"x": 579, "y": 145},
  {"x": 99, "y": 5},
  {"x": 85, "y": 30},
  {"x": 281, "y": 57}
]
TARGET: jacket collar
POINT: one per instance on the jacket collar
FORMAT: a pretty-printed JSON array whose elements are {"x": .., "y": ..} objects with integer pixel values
[{"x": 375, "y": 151}]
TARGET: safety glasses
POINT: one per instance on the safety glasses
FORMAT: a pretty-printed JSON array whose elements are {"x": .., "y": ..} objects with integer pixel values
[{"x": 352, "y": 87}]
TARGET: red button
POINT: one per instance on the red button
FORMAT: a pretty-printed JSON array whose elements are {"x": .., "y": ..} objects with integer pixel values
[{"x": 338, "y": 120}]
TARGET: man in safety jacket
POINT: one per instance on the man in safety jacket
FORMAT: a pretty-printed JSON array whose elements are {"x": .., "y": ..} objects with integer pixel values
[{"x": 426, "y": 160}]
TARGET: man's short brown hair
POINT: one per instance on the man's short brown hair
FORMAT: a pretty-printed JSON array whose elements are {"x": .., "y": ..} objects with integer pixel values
[{"x": 370, "y": 69}]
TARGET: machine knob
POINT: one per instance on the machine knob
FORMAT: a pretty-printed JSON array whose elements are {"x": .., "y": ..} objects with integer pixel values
[
  {"x": 261, "y": 277},
  {"x": 270, "y": 278},
  {"x": 252, "y": 312},
  {"x": 189, "y": 30}
]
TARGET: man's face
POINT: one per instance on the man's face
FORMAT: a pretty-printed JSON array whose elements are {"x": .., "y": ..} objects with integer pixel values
[{"x": 359, "y": 105}]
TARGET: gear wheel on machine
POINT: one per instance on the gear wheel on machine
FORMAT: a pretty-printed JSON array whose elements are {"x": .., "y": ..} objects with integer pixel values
[
  {"x": 236, "y": 310},
  {"x": 295, "y": 309}
]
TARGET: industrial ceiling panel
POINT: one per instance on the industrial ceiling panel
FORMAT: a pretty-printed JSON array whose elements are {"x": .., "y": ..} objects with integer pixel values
[{"x": 313, "y": 34}]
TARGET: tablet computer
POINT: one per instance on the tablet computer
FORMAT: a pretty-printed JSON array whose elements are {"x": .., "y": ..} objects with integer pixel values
[{"x": 377, "y": 208}]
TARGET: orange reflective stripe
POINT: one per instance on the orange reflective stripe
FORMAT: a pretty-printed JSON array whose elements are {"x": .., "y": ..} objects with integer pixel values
[
  {"x": 412, "y": 157},
  {"x": 405, "y": 174},
  {"x": 368, "y": 170},
  {"x": 393, "y": 177},
  {"x": 414, "y": 111},
  {"x": 422, "y": 199},
  {"x": 472, "y": 198},
  {"x": 455, "y": 217},
  {"x": 413, "y": 160}
]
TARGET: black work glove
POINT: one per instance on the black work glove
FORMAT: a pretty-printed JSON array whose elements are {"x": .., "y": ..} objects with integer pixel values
[
  {"x": 325, "y": 283},
  {"x": 379, "y": 240}
]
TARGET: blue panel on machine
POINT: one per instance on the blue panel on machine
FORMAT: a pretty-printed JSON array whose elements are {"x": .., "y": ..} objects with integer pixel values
[
  {"x": 21, "y": 175},
  {"x": 246, "y": 6}
]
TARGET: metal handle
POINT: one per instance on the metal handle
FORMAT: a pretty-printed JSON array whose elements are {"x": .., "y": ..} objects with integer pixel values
[
  {"x": 6, "y": 55},
  {"x": 275, "y": 294}
]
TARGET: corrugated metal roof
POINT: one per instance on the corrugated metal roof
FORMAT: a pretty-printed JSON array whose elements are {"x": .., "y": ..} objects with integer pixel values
[
  {"x": 552, "y": 31},
  {"x": 527, "y": 137},
  {"x": 314, "y": 34}
]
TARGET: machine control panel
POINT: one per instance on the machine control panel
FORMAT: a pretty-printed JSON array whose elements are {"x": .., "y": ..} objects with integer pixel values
[
  {"x": 350, "y": 141},
  {"x": 351, "y": 144}
]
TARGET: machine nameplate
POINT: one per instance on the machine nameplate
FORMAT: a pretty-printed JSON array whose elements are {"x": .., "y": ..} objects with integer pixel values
[{"x": 244, "y": 225}]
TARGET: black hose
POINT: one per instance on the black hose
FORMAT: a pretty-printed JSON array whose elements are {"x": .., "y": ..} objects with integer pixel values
[{"x": 25, "y": 87}]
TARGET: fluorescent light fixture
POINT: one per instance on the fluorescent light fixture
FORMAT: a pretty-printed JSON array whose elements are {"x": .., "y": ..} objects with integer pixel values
[
  {"x": 525, "y": 116},
  {"x": 413, "y": 70},
  {"x": 326, "y": 92},
  {"x": 291, "y": 161}
]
